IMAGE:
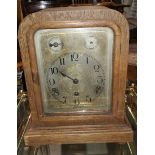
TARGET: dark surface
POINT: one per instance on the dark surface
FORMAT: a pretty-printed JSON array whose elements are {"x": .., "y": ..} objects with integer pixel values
[{"x": 36, "y": 5}]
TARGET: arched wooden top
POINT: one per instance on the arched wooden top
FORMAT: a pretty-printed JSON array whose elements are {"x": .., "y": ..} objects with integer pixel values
[{"x": 84, "y": 13}]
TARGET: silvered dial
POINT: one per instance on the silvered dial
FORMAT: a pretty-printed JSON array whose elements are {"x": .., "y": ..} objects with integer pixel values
[
  {"x": 75, "y": 78},
  {"x": 55, "y": 43},
  {"x": 91, "y": 42}
]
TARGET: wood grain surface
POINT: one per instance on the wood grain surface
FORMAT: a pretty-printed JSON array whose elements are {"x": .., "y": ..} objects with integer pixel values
[{"x": 76, "y": 128}]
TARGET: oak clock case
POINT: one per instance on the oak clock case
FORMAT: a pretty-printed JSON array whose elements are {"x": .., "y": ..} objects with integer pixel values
[
  {"x": 75, "y": 64},
  {"x": 75, "y": 69}
]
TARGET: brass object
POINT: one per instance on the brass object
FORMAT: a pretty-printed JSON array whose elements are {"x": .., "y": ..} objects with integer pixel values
[{"x": 131, "y": 98}]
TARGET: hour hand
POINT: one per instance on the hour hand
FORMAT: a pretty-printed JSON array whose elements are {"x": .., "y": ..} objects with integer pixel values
[
  {"x": 63, "y": 74},
  {"x": 75, "y": 81}
]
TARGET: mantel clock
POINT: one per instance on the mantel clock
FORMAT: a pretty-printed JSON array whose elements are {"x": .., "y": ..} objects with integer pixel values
[{"x": 75, "y": 64}]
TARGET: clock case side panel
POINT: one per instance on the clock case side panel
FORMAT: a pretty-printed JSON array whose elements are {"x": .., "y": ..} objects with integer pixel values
[
  {"x": 68, "y": 18},
  {"x": 24, "y": 49}
]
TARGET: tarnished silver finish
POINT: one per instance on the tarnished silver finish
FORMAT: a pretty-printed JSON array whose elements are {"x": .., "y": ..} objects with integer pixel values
[{"x": 75, "y": 68}]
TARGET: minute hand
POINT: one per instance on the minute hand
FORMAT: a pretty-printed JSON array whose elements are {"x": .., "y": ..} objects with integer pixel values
[{"x": 75, "y": 81}]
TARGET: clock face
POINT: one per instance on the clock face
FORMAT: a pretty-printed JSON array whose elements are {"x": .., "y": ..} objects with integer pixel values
[
  {"x": 67, "y": 78},
  {"x": 75, "y": 69}
]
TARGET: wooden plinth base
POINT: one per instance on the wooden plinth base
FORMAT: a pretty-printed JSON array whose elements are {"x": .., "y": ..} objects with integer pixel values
[{"x": 98, "y": 133}]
